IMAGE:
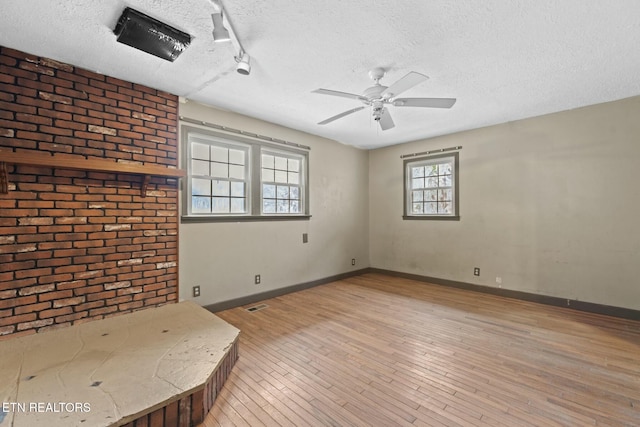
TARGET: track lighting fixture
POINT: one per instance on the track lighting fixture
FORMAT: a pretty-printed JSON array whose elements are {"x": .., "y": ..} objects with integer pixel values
[
  {"x": 220, "y": 33},
  {"x": 244, "y": 63}
]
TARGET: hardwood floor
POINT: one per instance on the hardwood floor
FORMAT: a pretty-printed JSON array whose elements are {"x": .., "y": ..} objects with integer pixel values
[{"x": 375, "y": 350}]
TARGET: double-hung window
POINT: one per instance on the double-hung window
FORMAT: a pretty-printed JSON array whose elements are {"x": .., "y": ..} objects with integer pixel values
[
  {"x": 219, "y": 177},
  {"x": 281, "y": 182},
  {"x": 431, "y": 187},
  {"x": 237, "y": 178}
]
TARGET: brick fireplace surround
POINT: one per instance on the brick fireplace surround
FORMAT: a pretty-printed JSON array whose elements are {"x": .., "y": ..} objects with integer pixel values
[
  {"x": 89, "y": 230},
  {"x": 79, "y": 245}
]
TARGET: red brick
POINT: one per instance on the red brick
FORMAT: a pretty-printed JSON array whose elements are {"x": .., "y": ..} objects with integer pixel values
[
  {"x": 68, "y": 301},
  {"x": 16, "y": 302},
  {"x": 36, "y": 67},
  {"x": 130, "y": 306},
  {"x": 89, "y": 105},
  {"x": 31, "y": 118},
  {"x": 73, "y": 284},
  {"x": 55, "y": 278},
  {"x": 34, "y": 135},
  {"x": 17, "y": 284},
  {"x": 34, "y": 324},
  {"x": 155, "y": 301},
  {"x": 75, "y": 94},
  {"x": 130, "y": 290},
  {"x": 55, "y": 312},
  {"x": 34, "y": 272},
  {"x": 32, "y": 308},
  {"x": 29, "y": 238},
  {"x": 72, "y": 317},
  {"x": 55, "y": 245},
  {"x": 71, "y": 109},
  {"x": 47, "y": 146},
  {"x": 70, "y": 125},
  {"x": 17, "y": 248},
  {"x": 47, "y": 96},
  {"x": 101, "y": 295},
  {"x": 88, "y": 120},
  {"x": 12, "y": 320},
  {"x": 83, "y": 228},
  {"x": 57, "y": 65},
  {"x": 90, "y": 305},
  {"x": 54, "y": 262},
  {"x": 34, "y": 84},
  {"x": 18, "y": 107},
  {"x": 11, "y": 293},
  {"x": 19, "y": 72},
  {"x": 57, "y": 295},
  {"x": 101, "y": 311},
  {"x": 54, "y": 114},
  {"x": 56, "y": 81},
  {"x": 88, "y": 290}
]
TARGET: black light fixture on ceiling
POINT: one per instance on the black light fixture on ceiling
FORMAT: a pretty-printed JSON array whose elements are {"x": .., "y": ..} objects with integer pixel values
[{"x": 150, "y": 35}]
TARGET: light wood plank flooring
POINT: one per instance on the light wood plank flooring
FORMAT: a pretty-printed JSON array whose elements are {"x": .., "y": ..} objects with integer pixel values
[{"x": 375, "y": 350}]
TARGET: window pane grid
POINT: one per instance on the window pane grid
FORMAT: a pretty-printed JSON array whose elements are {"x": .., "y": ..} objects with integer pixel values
[
  {"x": 218, "y": 179},
  {"x": 280, "y": 185},
  {"x": 280, "y": 198},
  {"x": 431, "y": 189}
]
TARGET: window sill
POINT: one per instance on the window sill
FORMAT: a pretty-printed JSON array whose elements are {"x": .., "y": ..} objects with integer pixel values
[
  {"x": 245, "y": 218},
  {"x": 434, "y": 217}
]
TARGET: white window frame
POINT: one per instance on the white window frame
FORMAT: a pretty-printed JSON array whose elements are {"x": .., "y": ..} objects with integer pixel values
[
  {"x": 213, "y": 178},
  {"x": 253, "y": 150},
  {"x": 300, "y": 185},
  {"x": 408, "y": 164}
]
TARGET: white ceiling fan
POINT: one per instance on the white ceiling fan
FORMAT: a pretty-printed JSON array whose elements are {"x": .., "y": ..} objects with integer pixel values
[{"x": 377, "y": 96}]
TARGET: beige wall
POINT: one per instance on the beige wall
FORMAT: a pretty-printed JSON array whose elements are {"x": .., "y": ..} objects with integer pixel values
[
  {"x": 549, "y": 204},
  {"x": 223, "y": 258}
]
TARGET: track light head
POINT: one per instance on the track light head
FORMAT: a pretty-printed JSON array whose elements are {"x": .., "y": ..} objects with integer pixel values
[
  {"x": 220, "y": 33},
  {"x": 244, "y": 63}
]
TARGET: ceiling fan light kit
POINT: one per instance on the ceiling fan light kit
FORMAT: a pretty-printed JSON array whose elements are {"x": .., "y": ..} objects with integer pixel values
[{"x": 378, "y": 96}]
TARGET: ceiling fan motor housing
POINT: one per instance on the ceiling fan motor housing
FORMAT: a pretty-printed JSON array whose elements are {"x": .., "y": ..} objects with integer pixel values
[{"x": 374, "y": 92}]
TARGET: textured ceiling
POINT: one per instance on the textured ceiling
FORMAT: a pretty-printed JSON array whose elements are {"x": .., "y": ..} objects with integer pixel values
[{"x": 502, "y": 60}]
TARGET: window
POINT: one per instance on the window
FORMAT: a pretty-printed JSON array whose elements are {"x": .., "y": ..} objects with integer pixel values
[
  {"x": 219, "y": 177},
  {"x": 281, "y": 189},
  {"x": 236, "y": 178},
  {"x": 431, "y": 187}
]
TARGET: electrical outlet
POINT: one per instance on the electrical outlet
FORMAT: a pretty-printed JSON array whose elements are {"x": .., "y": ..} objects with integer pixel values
[
  {"x": 476, "y": 271},
  {"x": 257, "y": 279},
  {"x": 499, "y": 280},
  {"x": 353, "y": 261},
  {"x": 305, "y": 237},
  {"x": 196, "y": 291}
]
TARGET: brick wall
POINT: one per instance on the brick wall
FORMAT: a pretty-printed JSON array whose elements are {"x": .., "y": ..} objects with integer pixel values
[{"x": 77, "y": 245}]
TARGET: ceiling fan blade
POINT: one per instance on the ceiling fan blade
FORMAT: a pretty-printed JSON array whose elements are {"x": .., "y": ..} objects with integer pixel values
[
  {"x": 338, "y": 116},
  {"x": 386, "y": 122},
  {"x": 405, "y": 83},
  {"x": 425, "y": 102},
  {"x": 340, "y": 94}
]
